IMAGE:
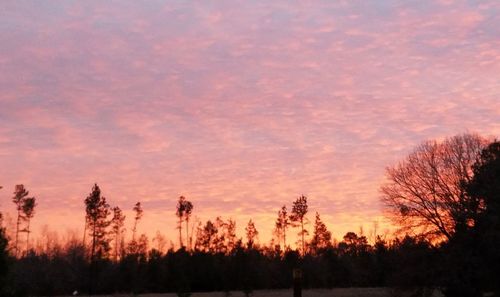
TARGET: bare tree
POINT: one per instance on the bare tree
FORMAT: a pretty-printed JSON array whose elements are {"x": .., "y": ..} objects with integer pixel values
[
  {"x": 298, "y": 217},
  {"x": 425, "y": 191}
]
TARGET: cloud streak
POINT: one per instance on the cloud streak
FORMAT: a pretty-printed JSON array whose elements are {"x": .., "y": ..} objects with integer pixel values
[{"x": 240, "y": 106}]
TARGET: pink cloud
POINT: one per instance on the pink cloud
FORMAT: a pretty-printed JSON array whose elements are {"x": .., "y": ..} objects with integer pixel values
[{"x": 239, "y": 106}]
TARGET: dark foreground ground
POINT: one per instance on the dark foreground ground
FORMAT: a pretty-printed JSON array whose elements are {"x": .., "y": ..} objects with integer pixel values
[{"x": 350, "y": 292}]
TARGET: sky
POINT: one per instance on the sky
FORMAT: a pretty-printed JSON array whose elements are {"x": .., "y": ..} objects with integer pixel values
[{"x": 241, "y": 106}]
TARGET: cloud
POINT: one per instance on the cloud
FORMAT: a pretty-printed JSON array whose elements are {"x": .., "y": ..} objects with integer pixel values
[{"x": 240, "y": 106}]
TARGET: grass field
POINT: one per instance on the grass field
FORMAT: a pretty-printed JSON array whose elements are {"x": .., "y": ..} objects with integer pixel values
[{"x": 349, "y": 292}]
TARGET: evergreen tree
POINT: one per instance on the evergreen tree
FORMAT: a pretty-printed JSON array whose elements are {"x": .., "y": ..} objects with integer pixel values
[
  {"x": 29, "y": 205},
  {"x": 4, "y": 255},
  {"x": 230, "y": 234},
  {"x": 180, "y": 210},
  {"x": 484, "y": 188},
  {"x": 321, "y": 236},
  {"x": 353, "y": 244},
  {"x": 281, "y": 225},
  {"x": 220, "y": 236},
  {"x": 251, "y": 233},
  {"x": 298, "y": 217},
  {"x": 20, "y": 196},
  {"x": 117, "y": 223},
  {"x": 206, "y": 237},
  {"x": 188, "y": 209},
  {"x": 138, "y": 215},
  {"x": 97, "y": 212}
]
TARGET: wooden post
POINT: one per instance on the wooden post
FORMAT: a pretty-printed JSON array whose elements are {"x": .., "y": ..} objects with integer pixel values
[{"x": 297, "y": 283}]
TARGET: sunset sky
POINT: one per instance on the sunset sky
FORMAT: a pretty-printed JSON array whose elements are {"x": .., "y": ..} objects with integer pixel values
[{"x": 241, "y": 106}]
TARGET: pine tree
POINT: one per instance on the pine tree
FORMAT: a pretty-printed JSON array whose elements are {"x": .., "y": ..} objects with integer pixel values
[
  {"x": 97, "y": 211},
  {"x": 219, "y": 241},
  {"x": 321, "y": 236},
  {"x": 230, "y": 235},
  {"x": 138, "y": 215},
  {"x": 4, "y": 255},
  {"x": 299, "y": 211},
  {"x": 117, "y": 223},
  {"x": 28, "y": 213},
  {"x": 251, "y": 233},
  {"x": 188, "y": 209},
  {"x": 20, "y": 195},
  {"x": 281, "y": 225},
  {"x": 206, "y": 237},
  {"x": 181, "y": 208}
]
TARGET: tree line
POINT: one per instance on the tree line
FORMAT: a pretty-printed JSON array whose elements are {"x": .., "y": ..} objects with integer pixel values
[{"x": 444, "y": 196}]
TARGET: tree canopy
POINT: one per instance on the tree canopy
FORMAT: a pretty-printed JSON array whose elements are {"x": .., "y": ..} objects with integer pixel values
[{"x": 425, "y": 192}]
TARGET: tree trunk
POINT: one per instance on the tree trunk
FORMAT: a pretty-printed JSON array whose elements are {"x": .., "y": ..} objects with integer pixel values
[
  {"x": 84, "y": 236},
  {"x": 180, "y": 233},
  {"x": 133, "y": 231},
  {"x": 17, "y": 231},
  {"x": 303, "y": 242},
  {"x": 188, "y": 245},
  {"x": 284, "y": 238},
  {"x": 28, "y": 237},
  {"x": 92, "y": 252},
  {"x": 191, "y": 237},
  {"x": 116, "y": 246}
]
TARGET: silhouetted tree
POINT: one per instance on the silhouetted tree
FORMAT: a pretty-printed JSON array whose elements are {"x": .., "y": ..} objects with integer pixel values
[
  {"x": 353, "y": 244},
  {"x": 117, "y": 223},
  {"x": 161, "y": 242},
  {"x": 321, "y": 236},
  {"x": 230, "y": 231},
  {"x": 19, "y": 199},
  {"x": 206, "y": 237},
  {"x": 28, "y": 213},
  {"x": 61, "y": 268},
  {"x": 219, "y": 241},
  {"x": 138, "y": 215},
  {"x": 425, "y": 192},
  {"x": 281, "y": 225},
  {"x": 414, "y": 270},
  {"x": 485, "y": 185},
  {"x": 97, "y": 211},
  {"x": 188, "y": 209},
  {"x": 142, "y": 247},
  {"x": 251, "y": 233},
  {"x": 484, "y": 188},
  {"x": 4, "y": 256},
  {"x": 180, "y": 210},
  {"x": 298, "y": 217}
]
